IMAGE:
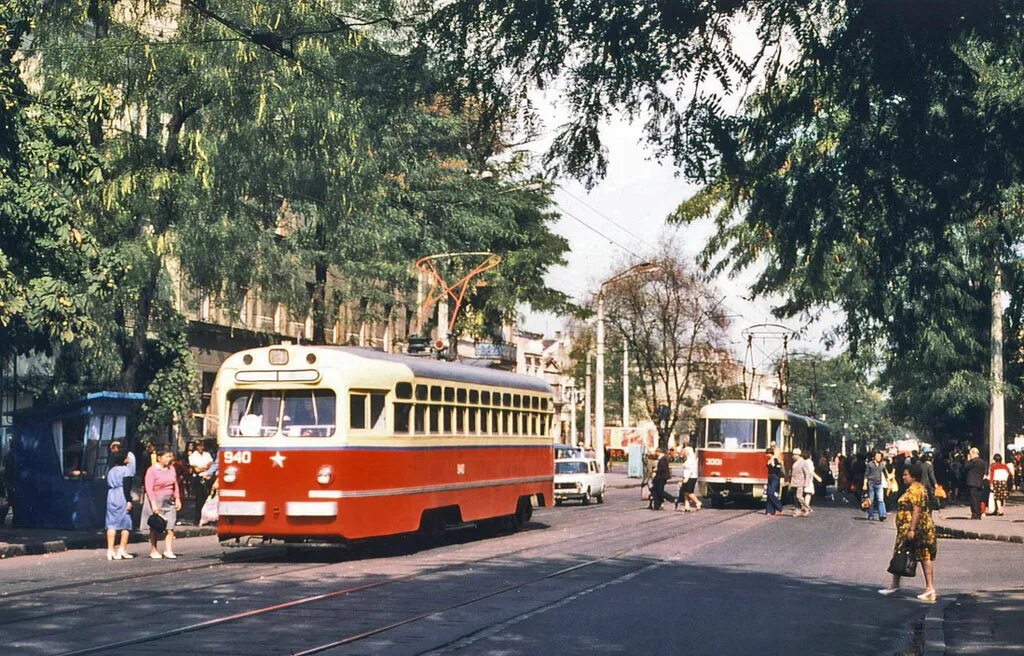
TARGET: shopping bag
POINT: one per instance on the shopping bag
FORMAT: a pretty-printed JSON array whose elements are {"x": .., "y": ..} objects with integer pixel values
[
  {"x": 209, "y": 514},
  {"x": 903, "y": 561},
  {"x": 157, "y": 523}
]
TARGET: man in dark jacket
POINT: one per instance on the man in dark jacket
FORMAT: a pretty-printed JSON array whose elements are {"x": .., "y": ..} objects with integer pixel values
[
  {"x": 661, "y": 475},
  {"x": 974, "y": 476}
]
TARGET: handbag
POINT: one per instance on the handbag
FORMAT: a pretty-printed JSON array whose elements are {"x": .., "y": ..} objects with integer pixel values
[
  {"x": 157, "y": 523},
  {"x": 940, "y": 492},
  {"x": 865, "y": 503},
  {"x": 904, "y": 561}
]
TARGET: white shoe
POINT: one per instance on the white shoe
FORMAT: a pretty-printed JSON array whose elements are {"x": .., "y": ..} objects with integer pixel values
[
  {"x": 113, "y": 556},
  {"x": 885, "y": 592},
  {"x": 125, "y": 555},
  {"x": 168, "y": 554},
  {"x": 156, "y": 555}
]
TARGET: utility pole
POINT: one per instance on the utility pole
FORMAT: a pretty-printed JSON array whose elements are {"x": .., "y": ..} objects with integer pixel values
[
  {"x": 643, "y": 267},
  {"x": 625, "y": 383},
  {"x": 996, "y": 421},
  {"x": 587, "y": 437},
  {"x": 573, "y": 398}
]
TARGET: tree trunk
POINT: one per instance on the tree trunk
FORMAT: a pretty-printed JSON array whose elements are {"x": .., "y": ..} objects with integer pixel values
[
  {"x": 319, "y": 311},
  {"x": 996, "y": 421}
]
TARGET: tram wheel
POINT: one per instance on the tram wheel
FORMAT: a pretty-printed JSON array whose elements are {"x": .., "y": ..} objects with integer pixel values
[{"x": 521, "y": 517}]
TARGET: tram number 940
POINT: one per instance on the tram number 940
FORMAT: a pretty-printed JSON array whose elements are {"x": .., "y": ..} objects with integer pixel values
[{"x": 240, "y": 457}]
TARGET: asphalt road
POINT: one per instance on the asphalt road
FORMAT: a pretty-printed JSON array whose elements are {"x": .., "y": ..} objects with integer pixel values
[{"x": 602, "y": 579}]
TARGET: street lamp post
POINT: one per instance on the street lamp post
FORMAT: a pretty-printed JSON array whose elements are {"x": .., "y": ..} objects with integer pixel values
[
  {"x": 587, "y": 429},
  {"x": 643, "y": 267},
  {"x": 574, "y": 397}
]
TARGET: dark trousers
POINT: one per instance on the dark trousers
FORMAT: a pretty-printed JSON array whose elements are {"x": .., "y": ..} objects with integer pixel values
[
  {"x": 974, "y": 493},
  {"x": 774, "y": 502},
  {"x": 201, "y": 488},
  {"x": 658, "y": 495}
]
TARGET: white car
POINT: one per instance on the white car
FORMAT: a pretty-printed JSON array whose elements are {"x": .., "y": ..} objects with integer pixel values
[{"x": 578, "y": 478}]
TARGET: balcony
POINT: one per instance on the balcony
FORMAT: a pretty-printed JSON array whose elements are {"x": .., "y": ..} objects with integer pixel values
[{"x": 503, "y": 353}]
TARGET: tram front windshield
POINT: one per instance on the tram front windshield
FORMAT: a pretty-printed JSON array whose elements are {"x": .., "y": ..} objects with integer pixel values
[
  {"x": 735, "y": 434},
  {"x": 293, "y": 413}
]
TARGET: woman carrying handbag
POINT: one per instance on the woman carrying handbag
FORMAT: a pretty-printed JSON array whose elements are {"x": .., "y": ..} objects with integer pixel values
[
  {"x": 163, "y": 501},
  {"x": 914, "y": 532}
]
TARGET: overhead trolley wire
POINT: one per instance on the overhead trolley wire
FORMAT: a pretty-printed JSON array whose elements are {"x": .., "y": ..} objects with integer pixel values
[{"x": 596, "y": 231}]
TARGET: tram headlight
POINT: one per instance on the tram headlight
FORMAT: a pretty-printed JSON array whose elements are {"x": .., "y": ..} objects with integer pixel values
[
  {"x": 325, "y": 475},
  {"x": 230, "y": 474}
]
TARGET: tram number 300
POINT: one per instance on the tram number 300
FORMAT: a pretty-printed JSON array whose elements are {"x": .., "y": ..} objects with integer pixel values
[{"x": 241, "y": 457}]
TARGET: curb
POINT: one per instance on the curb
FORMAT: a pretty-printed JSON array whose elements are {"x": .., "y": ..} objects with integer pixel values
[
  {"x": 935, "y": 627},
  {"x": 961, "y": 534},
  {"x": 93, "y": 541}
]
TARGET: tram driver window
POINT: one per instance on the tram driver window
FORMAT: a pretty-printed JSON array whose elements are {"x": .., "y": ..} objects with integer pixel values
[
  {"x": 733, "y": 434},
  {"x": 308, "y": 413}
]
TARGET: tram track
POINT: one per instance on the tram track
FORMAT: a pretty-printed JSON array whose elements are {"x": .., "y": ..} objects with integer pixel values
[
  {"x": 259, "y": 555},
  {"x": 670, "y": 531},
  {"x": 505, "y": 590}
]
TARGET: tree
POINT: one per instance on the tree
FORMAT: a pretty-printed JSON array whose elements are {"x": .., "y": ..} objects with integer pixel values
[
  {"x": 837, "y": 391},
  {"x": 51, "y": 268},
  {"x": 874, "y": 176},
  {"x": 298, "y": 149},
  {"x": 675, "y": 325}
]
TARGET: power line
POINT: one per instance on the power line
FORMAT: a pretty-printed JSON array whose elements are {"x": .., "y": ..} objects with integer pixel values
[
  {"x": 596, "y": 231},
  {"x": 605, "y": 217}
]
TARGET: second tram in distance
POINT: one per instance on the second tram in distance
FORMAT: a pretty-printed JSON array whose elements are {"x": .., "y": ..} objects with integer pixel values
[
  {"x": 341, "y": 443},
  {"x": 732, "y": 437}
]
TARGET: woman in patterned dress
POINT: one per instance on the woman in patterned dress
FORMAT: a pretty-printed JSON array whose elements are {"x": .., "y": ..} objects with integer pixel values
[
  {"x": 914, "y": 524},
  {"x": 999, "y": 477}
]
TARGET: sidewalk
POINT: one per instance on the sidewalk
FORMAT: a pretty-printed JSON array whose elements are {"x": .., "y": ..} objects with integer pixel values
[
  {"x": 955, "y": 522},
  {"x": 18, "y": 541}
]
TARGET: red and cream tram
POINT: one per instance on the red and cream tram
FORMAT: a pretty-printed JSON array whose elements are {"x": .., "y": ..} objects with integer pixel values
[
  {"x": 732, "y": 437},
  {"x": 341, "y": 443}
]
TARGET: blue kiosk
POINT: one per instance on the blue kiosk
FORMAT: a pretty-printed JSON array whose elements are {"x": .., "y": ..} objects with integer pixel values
[{"x": 60, "y": 452}]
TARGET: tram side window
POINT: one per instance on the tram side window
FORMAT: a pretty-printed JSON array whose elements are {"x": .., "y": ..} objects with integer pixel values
[
  {"x": 421, "y": 418},
  {"x": 460, "y": 422},
  {"x": 366, "y": 410},
  {"x": 762, "y": 433},
  {"x": 800, "y": 437},
  {"x": 435, "y": 419},
  {"x": 402, "y": 413},
  {"x": 471, "y": 419},
  {"x": 775, "y": 434},
  {"x": 485, "y": 421}
]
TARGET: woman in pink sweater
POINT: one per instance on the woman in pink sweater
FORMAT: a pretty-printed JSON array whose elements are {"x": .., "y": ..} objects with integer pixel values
[{"x": 163, "y": 497}]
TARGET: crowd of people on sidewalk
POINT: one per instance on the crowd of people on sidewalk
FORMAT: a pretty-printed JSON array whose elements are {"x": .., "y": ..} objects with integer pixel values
[{"x": 167, "y": 481}]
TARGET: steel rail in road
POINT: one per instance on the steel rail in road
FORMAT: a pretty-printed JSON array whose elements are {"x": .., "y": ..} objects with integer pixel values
[
  {"x": 362, "y": 635},
  {"x": 235, "y": 617},
  {"x": 239, "y": 616},
  {"x": 92, "y": 583}
]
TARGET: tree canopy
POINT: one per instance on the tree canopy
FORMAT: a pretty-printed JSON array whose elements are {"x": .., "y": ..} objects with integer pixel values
[
  {"x": 301, "y": 149},
  {"x": 872, "y": 165}
]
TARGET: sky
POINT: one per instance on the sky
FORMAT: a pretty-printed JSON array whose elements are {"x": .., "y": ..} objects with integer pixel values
[{"x": 626, "y": 212}]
